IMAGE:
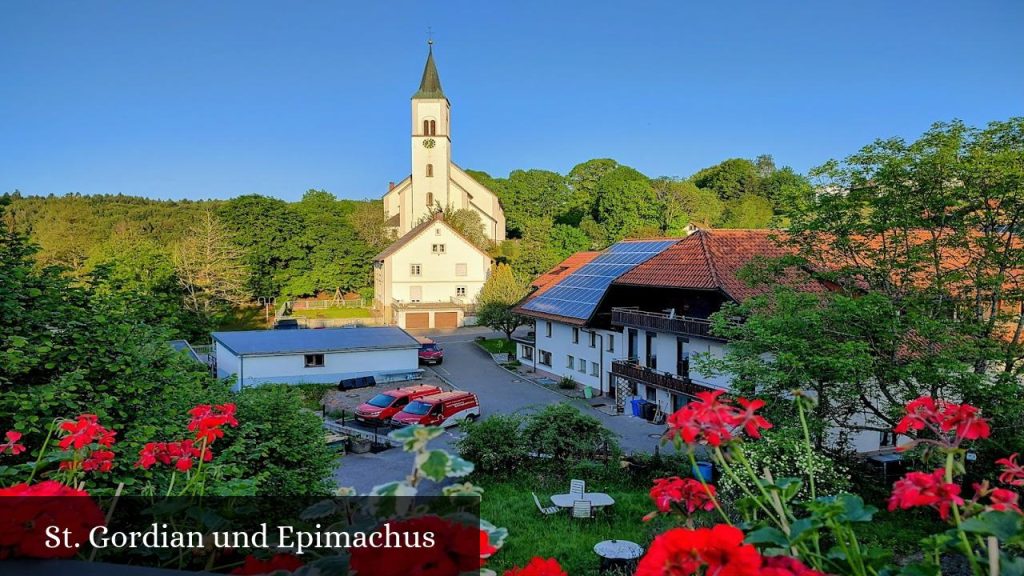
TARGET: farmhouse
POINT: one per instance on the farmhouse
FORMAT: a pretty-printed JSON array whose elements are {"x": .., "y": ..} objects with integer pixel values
[{"x": 257, "y": 357}]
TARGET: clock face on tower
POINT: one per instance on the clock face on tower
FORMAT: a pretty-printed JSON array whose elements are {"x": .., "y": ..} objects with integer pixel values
[{"x": 428, "y": 143}]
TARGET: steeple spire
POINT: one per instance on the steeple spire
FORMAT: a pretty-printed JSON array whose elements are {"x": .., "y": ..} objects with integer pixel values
[{"x": 430, "y": 85}]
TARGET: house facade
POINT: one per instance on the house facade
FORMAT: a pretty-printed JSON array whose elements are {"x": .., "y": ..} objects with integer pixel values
[
  {"x": 431, "y": 275},
  {"x": 256, "y": 357},
  {"x": 651, "y": 323}
]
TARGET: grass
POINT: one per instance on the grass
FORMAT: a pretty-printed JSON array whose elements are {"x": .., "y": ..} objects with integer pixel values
[
  {"x": 498, "y": 346},
  {"x": 333, "y": 313},
  {"x": 249, "y": 318},
  {"x": 510, "y": 505}
]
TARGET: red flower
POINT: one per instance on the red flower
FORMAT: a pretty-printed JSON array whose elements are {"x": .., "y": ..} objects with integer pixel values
[
  {"x": 785, "y": 566},
  {"x": 963, "y": 420},
  {"x": 86, "y": 430},
  {"x": 711, "y": 420},
  {"x": 12, "y": 443},
  {"x": 687, "y": 493},
  {"x": 752, "y": 422},
  {"x": 456, "y": 549},
  {"x": 99, "y": 461},
  {"x": 1004, "y": 500},
  {"x": 207, "y": 421},
  {"x": 276, "y": 563},
  {"x": 1013, "y": 473},
  {"x": 538, "y": 567},
  {"x": 29, "y": 510},
  {"x": 923, "y": 489},
  {"x": 682, "y": 552},
  {"x": 178, "y": 454}
]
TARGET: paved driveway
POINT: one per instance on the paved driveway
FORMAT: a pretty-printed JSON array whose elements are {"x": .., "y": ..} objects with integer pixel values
[{"x": 467, "y": 367}]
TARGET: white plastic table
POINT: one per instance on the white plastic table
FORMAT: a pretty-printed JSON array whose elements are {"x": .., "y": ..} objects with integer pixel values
[{"x": 596, "y": 499}]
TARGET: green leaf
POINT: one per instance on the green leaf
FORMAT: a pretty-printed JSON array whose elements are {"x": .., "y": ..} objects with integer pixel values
[
  {"x": 434, "y": 464},
  {"x": 768, "y": 535},
  {"x": 854, "y": 509},
  {"x": 321, "y": 509},
  {"x": 415, "y": 438},
  {"x": 1003, "y": 525}
]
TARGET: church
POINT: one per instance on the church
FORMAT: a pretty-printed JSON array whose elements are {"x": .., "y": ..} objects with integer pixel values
[{"x": 431, "y": 275}]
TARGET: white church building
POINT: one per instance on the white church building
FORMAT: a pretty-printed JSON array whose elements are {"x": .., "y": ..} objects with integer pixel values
[{"x": 431, "y": 275}]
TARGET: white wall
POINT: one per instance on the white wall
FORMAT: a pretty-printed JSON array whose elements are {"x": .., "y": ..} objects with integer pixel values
[
  {"x": 437, "y": 280},
  {"x": 560, "y": 345},
  {"x": 290, "y": 368}
]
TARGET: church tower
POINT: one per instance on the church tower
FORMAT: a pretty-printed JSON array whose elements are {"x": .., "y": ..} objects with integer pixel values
[{"x": 431, "y": 144}]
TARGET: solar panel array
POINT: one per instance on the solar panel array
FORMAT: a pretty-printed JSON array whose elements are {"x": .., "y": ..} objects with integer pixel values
[{"x": 579, "y": 293}]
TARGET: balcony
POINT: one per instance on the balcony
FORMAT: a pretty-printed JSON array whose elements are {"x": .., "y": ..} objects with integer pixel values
[
  {"x": 632, "y": 371},
  {"x": 467, "y": 306},
  {"x": 662, "y": 322}
]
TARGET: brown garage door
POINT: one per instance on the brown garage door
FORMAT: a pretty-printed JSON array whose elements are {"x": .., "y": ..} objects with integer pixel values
[
  {"x": 417, "y": 320},
  {"x": 446, "y": 319}
]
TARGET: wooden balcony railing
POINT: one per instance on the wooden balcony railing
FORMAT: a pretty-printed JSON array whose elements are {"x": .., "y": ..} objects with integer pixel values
[
  {"x": 631, "y": 370},
  {"x": 661, "y": 322}
]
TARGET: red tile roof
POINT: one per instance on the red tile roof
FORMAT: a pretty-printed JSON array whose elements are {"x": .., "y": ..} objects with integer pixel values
[{"x": 712, "y": 260}]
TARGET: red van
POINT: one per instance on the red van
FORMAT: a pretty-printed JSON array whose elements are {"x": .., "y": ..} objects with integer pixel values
[
  {"x": 445, "y": 409},
  {"x": 430, "y": 352},
  {"x": 380, "y": 408}
]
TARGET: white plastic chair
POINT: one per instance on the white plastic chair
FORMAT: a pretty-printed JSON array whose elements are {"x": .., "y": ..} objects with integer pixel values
[
  {"x": 577, "y": 487},
  {"x": 545, "y": 511},
  {"x": 582, "y": 509}
]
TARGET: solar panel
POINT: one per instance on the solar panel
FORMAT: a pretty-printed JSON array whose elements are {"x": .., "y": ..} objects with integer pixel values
[{"x": 579, "y": 293}]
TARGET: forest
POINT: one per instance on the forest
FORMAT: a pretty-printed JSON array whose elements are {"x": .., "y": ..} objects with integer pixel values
[{"x": 253, "y": 246}]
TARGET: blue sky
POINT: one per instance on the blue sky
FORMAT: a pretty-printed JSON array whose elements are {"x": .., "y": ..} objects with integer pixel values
[{"x": 199, "y": 99}]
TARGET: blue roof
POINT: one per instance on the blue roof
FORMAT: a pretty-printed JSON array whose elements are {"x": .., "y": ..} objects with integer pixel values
[
  {"x": 257, "y": 342},
  {"x": 579, "y": 293}
]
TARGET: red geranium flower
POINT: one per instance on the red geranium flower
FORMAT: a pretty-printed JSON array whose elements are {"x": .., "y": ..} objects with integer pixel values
[
  {"x": 924, "y": 489},
  {"x": 785, "y": 566},
  {"x": 179, "y": 454},
  {"x": 12, "y": 443},
  {"x": 277, "y": 563},
  {"x": 538, "y": 567},
  {"x": 30, "y": 510},
  {"x": 457, "y": 548},
  {"x": 1013, "y": 473},
  {"x": 963, "y": 420},
  {"x": 1004, "y": 500},
  {"x": 207, "y": 421},
  {"x": 709, "y": 419},
  {"x": 682, "y": 552},
  {"x": 688, "y": 493},
  {"x": 84, "y": 431}
]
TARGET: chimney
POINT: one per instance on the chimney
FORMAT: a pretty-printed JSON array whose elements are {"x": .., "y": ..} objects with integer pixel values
[{"x": 391, "y": 186}]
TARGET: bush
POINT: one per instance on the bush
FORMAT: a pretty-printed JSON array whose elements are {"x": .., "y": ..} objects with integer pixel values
[
  {"x": 495, "y": 444},
  {"x": 280, "y": 444},
  {"x": 313, "y": 394},
  {"x": 568, "y": 436},
  {"x": 782, "y": 451},
  {"x": 567, "y": 383}
]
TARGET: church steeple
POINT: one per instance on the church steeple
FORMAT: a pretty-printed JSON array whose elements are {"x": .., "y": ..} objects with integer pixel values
[{"x": 430, "y": 85}]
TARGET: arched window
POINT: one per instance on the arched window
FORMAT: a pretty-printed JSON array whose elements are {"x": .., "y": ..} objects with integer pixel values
[
  {"x": 430, "y": 128},
  {"x": 430, "y": 170},
  {"x": 433, "y": 128},
  {"x": 430, "y": 198},
  {"x": 426, "y": 127}
]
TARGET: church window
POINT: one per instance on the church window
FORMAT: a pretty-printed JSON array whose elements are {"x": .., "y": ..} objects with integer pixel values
[
  {"x": 430, "y": 170},
  {"x": 430, "y": 198},
  {"x": 429, "y": 128}
]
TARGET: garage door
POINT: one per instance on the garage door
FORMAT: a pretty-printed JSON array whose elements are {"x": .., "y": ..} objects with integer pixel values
[
  {"x": 446, "y": 319},
  {"x": 417, "y": 320}
]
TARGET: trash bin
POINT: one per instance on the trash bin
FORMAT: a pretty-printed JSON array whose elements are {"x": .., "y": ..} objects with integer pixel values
[
  {"x": 638, "y": 406},
  {"x": 649, "y": 409},
  {"x": 588, "y": 392},
  {"x": 703, "y": 470}
]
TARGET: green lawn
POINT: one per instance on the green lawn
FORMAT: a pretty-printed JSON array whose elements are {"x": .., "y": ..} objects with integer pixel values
[
  {"x": 334, "y": 313},
  {"x": 498, "y": 346},
  {"x": 508, "y": 504},
  {"x": 250, "y": 318}
]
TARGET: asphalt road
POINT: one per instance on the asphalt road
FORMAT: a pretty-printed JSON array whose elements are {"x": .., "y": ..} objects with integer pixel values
[{"x": 467, "y": 367}]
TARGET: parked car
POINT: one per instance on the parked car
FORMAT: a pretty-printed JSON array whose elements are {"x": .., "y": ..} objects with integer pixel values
[
  {"x": 445, "y": 409},
  {"x": 380, "y": 408},
  {"x": 430, "y": 351}
]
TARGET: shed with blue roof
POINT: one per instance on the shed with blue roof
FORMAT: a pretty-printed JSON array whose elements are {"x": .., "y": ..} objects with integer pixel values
[{"x": 325, "y": 356}]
